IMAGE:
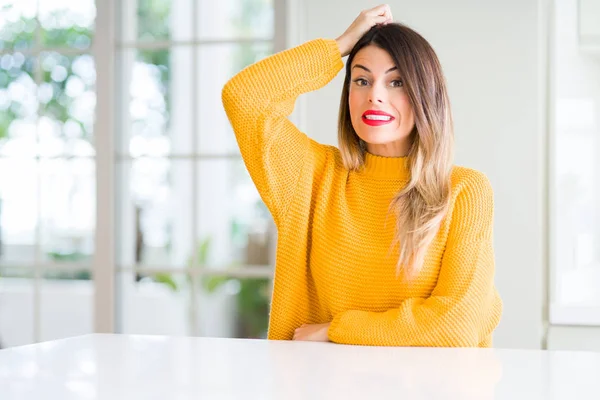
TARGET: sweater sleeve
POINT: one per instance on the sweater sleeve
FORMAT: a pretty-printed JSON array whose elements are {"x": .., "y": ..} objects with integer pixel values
[
  {"x": 258, "y": 101},
  {"x": 464, "y": 302}
]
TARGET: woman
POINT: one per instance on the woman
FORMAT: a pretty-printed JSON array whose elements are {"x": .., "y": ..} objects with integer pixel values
[{"x": 382, "y": 242}]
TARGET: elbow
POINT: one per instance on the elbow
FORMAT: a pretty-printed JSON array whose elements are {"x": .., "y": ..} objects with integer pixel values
[
  {"x": 233, "y": 103},
  {"x": 236, "y": 101},
  {"x": 227, "y": 94}
]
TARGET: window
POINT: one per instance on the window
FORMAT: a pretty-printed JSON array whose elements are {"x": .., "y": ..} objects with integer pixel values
[
  {"x": 193, "y": 243},
  {"x": 575, "y": 161},
  {"x": 187, "y": 207},
  {"x": 47, "y": 167}
]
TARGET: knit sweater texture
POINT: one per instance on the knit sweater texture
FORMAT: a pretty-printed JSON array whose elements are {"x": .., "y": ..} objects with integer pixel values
[{"x": 335, "y": 229}]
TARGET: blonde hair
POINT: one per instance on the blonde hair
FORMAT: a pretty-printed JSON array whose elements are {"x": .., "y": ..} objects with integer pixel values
[{"x": 423, "y": 203}]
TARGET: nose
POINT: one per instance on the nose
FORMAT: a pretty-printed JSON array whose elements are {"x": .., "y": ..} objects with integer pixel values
[{"x": 376, "y": 95}]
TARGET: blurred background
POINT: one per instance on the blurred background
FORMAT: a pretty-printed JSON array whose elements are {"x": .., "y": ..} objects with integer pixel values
[{"x": 125, "y": 205}]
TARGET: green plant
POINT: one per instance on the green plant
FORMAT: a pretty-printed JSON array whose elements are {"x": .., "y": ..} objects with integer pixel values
[
  {"x": 4, "y": 122},
  {"x": 67, "y": 256},
  {"x": 253, "y": 301},
  {"x": 69, "y": 275}
]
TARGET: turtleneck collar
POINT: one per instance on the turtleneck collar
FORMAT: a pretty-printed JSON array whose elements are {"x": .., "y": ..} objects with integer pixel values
[{"x": 385, "y": 167}]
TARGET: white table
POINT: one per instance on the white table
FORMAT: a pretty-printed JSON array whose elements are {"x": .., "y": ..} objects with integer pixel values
[{"x": 157, "y": 367}]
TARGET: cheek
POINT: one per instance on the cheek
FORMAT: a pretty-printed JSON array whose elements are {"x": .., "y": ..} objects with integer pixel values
[
  {"x": 354, "y": 103},
  {"x": 402, "y": 104}
]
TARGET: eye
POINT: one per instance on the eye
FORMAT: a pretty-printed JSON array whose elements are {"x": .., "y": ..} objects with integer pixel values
[
  {"x": 361, "y": 82},
  {"x": 397, "y": 83}
]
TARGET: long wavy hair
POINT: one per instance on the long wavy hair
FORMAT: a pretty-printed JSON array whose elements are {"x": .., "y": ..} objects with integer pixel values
[{"x": 423, "y": 203}]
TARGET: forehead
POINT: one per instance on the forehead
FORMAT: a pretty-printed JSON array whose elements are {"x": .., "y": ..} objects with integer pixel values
[{"x": 374, "y": 58}]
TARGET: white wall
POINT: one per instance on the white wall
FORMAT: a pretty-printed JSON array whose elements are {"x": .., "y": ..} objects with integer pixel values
[{"x": 490, "y": 52}]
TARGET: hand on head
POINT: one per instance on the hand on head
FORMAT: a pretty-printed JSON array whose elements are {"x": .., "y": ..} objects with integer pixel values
[{"x": 381, "y": 14}]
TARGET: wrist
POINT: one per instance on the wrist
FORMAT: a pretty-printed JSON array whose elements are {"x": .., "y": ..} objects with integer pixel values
[{"x": 343, "y": 46}]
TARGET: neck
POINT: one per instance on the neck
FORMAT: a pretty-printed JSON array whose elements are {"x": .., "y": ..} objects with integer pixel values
[{"x": 393, "y": 149}]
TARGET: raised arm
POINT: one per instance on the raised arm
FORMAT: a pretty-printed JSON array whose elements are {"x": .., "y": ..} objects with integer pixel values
[{"x": 259, "y": 99}]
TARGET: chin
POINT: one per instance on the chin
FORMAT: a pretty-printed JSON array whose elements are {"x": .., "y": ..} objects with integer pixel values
[{"x": 381, "y": 138}]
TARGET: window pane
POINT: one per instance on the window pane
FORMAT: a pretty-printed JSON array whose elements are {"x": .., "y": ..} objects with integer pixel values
[
  {"x": 160, "y": 20},
  {"x": 154, "y": 304},
  {"x": 234, "y": 226},
  {"x": 155, "y": 224},
  {"x": 17, "y": 24},
  {"x": 68, "y": 199},
  {"x": 16, "y": 307},
  {"x": 67, "y": 103},
  {"x": 218, "y": 63},
  {"x": 159, "y": 121},
  {"x": 67, "y": 23},
  {"x": 237, "y": 18},
  {"x": 66, "y": 301},
  {"x": 18, "y": 105},
  {"x": 18, "y": 210}
]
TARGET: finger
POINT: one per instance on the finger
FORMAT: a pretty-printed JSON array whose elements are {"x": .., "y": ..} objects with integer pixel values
[
  {"x": 380, "y": 19},
  {"x": 386, "y": 19},
  {"x": 388, "y": 12}
]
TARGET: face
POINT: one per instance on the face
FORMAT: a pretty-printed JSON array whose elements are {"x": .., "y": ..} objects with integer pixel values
[{"x": 380, "y": 109}]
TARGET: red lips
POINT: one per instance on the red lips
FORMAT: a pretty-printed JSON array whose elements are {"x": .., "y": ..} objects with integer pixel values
[{"x": 376, "y": 122}]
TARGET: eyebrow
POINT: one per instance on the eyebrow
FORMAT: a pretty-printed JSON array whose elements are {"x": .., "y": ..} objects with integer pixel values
[{"x": 369, "y": 71}]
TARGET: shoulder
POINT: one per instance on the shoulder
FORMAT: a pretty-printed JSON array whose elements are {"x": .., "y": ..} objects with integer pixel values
[{"x": 470, "y": 183}]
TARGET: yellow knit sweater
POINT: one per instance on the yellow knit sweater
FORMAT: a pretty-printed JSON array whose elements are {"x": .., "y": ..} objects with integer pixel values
[{"x": 333, "y": 259}]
